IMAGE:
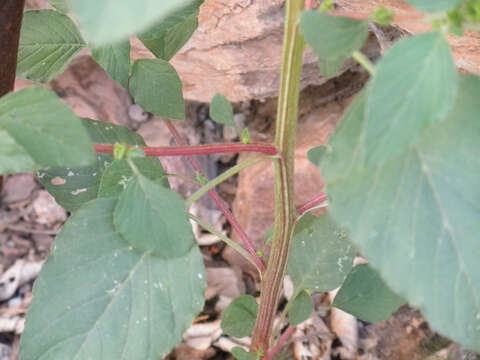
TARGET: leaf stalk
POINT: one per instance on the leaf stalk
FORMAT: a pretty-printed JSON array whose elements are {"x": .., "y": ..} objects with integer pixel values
[
  {"x": 197, "y": 149},
  {"x": 247, "y": 242}
]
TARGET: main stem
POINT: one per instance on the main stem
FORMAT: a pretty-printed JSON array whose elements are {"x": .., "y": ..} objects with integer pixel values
[
  {"x": 285, "y": 212},
  {"x": 11, "y": 14}
]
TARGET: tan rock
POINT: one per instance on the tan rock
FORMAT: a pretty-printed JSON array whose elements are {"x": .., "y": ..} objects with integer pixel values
[{"x": 236, "y": 51}]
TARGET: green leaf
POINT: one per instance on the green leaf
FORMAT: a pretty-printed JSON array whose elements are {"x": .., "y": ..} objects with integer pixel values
[
  {"x": 332, "y": 38},
  {"x": 241, "y": 354},
  {"x": 321, "y": 255},
  {"x": 268, "y": 237},
  {"x": 64, "y": 6},
  {"x": 239, "y": 317},
  {"x": 414, "y": 86},
  {"x": 118, "y": 174},
  {"x": 71, "y": 187},
  {"x": 301, "y": 308},
  {"x": 330, "y": 67},
  {"x": 156, "y": 87},
  {"x": 14, "y": 158},
  {"x": 221, "y": 111},
  {"x": 434, "y": 6},
  {"x": 166, "y": 37},
  {"x": 415, "y": 218},
  {"x": 366, "y": 296},
  {"x": 48, "y": 41},
  {"x": 40, "y": 131},
  {"x": 153, "y": 218},
  {"x": 97, "y": 298},
  {"x": 115, "y": 59},
  {"x": 109, "y": 21}
]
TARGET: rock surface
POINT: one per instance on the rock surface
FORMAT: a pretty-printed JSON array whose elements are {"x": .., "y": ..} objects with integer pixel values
[{"x": 236, "y": 51}]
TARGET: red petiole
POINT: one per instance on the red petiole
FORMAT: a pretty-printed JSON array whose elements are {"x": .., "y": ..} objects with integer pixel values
[
  {"x": 197, "y": 149},
  {"x": 310, "y": 204},
  {"x": 247, "y": 242}
]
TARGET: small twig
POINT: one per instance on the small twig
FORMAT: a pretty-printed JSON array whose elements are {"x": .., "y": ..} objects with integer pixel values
[
  {"x": 312, "y": 203},
  {"x": 283, "y": 339},
  {"x": 28, "y": 230},
  {"x": 225, "y": 239},
  {"x": 366, "y": 16},
  {"x": 221, "y": 178},
  {"x": 197, "y": 149},
  {"x": 364, "y": 62},
  {"x": 247, "y": 243}
]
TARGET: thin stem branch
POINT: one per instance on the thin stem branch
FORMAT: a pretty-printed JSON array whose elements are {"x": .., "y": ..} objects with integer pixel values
[
  {"x": 225, "y": 239},
  {"x": 247, "y": 243},
  {"x": 364, "y": 62},
  {"x": 309, "y": 4},
  {"x": 221, "y": 178},
  {"x": 197, "y": 149},
  {"x": 283, "y": 339},
  {"x": 312, "y": 203},
  {"x": 366, "y": 16},
  {"x": 285, "y": 212}
]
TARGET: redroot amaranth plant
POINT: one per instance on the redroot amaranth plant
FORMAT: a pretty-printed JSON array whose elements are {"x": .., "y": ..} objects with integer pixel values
[{"x": 126, "y": 278}]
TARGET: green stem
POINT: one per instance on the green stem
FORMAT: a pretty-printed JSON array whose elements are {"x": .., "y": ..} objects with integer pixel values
[
  {"x": 221, "y": 178},
  {"x": 285, "y": 211},
  {"x": 364, "y": 62},
  {"x": 225, "y": 239}
]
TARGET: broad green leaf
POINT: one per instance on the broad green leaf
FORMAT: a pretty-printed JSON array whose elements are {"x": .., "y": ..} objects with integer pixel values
[
  {"x": 115, "y": 59},
  {"x": 118, "y": 174},
  {"x": 221, "y": 111},
  {"x": 301, "y": 308},
  {"x": 332, "y": 38},
  {"x": 434, "y": 6},
  {"x": 153, "y": 218},
  {"x": 48, "y": 41},
  {"x": 71, "y": 187},
  {"x": 239, "y": 317},
  {"x": 166, "y": 37},
  {"x": 321, "y": 255},
  {"x": 109, "y": 21},
  {"x": 13, "y": 157},
  {"x": 415, "y": 218},
  {"x": 330, "y": 67},
  {"x": 241, "y": 354},
  {"x": 98, "y": 298},
  {"x": 156, "y": 87},
  {"x": 414, "y": 86},
  {"x": 40, "y": 131},
  {"x": 366, "y": 296},
  {"x": 64, "y": 6}
]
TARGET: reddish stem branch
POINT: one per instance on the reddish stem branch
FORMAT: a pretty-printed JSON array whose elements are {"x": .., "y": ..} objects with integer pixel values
[
  {"x": 247, "y": 243},
  {"x": 198, "y": 149},
  {"x": 283, "y": 339},
  {"x": 309, "y": 4},
  {"x": 316, "y": 200}
]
